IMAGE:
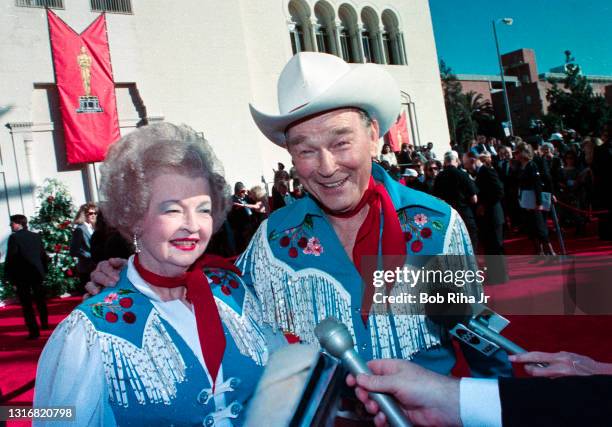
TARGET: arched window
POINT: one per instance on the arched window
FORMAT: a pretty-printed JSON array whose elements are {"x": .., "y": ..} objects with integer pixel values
[
  {"x": 369, "y": 36},
  {"x": 323, "y": 29},
  {"x": 347, "y": 31},
  {"x": 299, "y": 27},
  {"x": 393, "y": 39}
]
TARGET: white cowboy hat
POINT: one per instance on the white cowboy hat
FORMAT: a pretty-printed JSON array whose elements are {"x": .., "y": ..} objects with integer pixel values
[
  {"x": 312, "y": 83},
  {"x": 410, "y": 173}
]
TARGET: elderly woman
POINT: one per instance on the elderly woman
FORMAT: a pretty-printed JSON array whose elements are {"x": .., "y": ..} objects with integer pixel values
[
  {"x": 179, "y": 340},
  {"x": 529, "y": 179}
]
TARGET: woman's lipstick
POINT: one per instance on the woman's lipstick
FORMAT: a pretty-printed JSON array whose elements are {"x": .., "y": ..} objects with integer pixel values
[{"x": 185, "y": 244}]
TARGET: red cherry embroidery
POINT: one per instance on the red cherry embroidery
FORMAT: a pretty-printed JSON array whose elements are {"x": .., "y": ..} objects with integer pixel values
[
  {"x": 426, "y": 233},
  {"x": 111, "y": 317},
  {"x": 126, "y": 302},
  {"x": 303, "y": 242},
  {"x": 407, "y": 236},
  {"x": 416, "y": 246},
  {"x": 233, "y": 284},
  {"x": 284, "y": 241},
  {"x": 215, "y": 279},
  {"x": 225, "y": 290},
  {"x": 291, "y": 338},
  {"x": 293, "y": 253},
  {"x": 129, "y": 317}
]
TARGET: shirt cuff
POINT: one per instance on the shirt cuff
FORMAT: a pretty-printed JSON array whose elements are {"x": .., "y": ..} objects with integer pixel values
[{"x": 479, "y": 402}]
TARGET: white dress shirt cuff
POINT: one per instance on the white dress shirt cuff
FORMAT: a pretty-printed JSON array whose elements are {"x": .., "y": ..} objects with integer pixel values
[{"x": 479, "y": 402}]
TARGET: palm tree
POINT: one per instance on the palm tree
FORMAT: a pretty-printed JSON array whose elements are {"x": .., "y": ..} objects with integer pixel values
[{"x": 475, "y": 110}]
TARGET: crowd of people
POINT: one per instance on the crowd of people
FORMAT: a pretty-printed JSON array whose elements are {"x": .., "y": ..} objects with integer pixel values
[{"x": 172, "y": 334}]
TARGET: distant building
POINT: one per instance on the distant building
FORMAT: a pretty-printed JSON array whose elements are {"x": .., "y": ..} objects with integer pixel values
[{"x": 526, "y": 88}]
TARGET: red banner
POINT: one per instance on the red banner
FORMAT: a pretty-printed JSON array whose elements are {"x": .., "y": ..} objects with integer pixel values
[
  {"x": 84, "y": 78},
  {"x": 398, "y": 134}
]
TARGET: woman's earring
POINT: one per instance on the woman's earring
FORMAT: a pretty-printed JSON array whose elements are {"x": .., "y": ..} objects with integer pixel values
[{"x": 135, "y": 243}]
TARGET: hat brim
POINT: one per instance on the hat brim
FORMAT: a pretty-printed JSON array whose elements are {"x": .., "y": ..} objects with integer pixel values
[{"x": 366, "y": 87}]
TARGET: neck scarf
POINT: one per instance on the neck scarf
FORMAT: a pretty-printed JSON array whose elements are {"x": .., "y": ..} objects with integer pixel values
[
  {"x": 210, "y": 328},
  {"x": 368, "y": 242}
]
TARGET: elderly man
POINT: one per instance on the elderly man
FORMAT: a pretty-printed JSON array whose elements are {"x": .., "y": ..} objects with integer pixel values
[{"x": 308, "y": 261}]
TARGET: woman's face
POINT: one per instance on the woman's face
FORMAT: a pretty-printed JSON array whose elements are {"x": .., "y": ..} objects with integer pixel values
[{"x": 177, "y": 225}]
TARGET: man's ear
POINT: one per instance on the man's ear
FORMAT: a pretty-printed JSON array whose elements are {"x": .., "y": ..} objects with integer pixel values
[{"x": 374, "y": 137}]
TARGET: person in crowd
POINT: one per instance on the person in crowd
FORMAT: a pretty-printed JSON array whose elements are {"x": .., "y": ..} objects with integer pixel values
[
  {"x": 308, "y": 261},
  {"x": 181, "y": 339},
  {"x": 80, "y": 248},
  {"x": 25, "y": 268},
  {"x": 573, "y": 390},
  {"x": 404, "y": 157},
  {"x": 456, "y": 188},
  {"x": 571, "y": 193},
  {"x": 489, "y": 215},
  {"x": 388, "y": 156},
  {"x": 506, "y": 170},
  {"x": 280, "y": 175},
  {"x": 411, "y": 180},
  {"x": 529, "y": 179},
  {"x": 602, "y": 182},
  {"x": 106, "y": 242},
  {"x": 418, "y": 160},
  {"x": 261, "y": 210},
  {"x": 298, "y": 192},
  {"x": 432, "y": 168},
  {"x": 428, "y": 152},
  {"x": 552, "y": 164},
  {"x": 240, "y": 216},
  {"x": 283, "y": 197}
]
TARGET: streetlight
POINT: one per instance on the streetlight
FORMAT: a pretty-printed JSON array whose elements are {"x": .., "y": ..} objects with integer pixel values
[{"x": 505, "y": 21}]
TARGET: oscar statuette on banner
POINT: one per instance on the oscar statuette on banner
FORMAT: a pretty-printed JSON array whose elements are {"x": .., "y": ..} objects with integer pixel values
[{"x": 87, "y": 103}]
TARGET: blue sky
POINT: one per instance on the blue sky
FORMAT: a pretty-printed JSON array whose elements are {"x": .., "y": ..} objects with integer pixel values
[{"x": 464, "y": 36}]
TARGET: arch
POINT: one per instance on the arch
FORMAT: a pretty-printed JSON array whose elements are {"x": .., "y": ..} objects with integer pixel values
[
  {"x": 299, "y": 26},
  {"x": 393, "y": 38},
  {"x": 409, "y": 108},
  {"x": 369, "y": 36},
  {"x": 348, "y": 33},
  {"x": 324, "y": 28}
]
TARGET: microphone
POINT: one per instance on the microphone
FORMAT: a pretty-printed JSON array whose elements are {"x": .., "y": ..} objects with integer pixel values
[
  {"x": 337, "y": 341},
  {"x": 478, "y": 326}
]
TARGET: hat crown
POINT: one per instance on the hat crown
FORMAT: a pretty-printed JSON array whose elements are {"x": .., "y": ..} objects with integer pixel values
[{"x": 306, "y": 76}]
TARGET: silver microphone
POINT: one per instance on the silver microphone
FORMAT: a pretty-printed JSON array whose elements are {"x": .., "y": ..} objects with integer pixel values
[{"x": 337, "y": 341}]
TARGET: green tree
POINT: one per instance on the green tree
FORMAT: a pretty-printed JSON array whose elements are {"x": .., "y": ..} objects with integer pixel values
[
  {"x": 451, "y": 88},
  {"x": 475, "y": 113},
  {"x": 575, "y": 104},
  {"x": 54, "y": 222}
]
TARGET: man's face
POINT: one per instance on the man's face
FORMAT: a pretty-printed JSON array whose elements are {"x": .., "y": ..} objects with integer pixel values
[
  {"x": 332, "y": 154},
  {"x": 15, "y": 227}
]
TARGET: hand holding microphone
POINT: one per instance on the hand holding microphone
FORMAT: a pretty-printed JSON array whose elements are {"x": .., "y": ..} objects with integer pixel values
[{"x": 337, "y": 341}]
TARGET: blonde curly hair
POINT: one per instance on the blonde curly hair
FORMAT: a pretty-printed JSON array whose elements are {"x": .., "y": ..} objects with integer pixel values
[{"x": 133, "y": 162}]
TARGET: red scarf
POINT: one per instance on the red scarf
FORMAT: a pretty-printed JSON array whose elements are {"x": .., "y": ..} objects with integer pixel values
[
  {"x": 368, "y": 239},
  {"x": 210, "y": 328}
]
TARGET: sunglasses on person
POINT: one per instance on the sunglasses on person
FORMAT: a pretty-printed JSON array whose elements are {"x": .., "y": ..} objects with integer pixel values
[
  {"x": 92, "y": 213},
  {"x": 432, "y": 168}
]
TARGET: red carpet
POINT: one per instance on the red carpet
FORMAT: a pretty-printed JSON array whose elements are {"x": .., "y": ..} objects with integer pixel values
[{"x": 588, "y": 335}]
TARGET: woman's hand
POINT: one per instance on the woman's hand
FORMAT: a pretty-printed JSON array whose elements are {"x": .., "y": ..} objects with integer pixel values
[
  {"x": 105, "y": 275},
  {"x": 561, "y": 364}
]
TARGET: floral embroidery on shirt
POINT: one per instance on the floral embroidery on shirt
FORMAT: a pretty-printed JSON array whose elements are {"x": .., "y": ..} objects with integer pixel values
[
  {"x": 299, "y": 237},
  {"x": 418, "y": 227},
  {"x": 113, "y": 305}
]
